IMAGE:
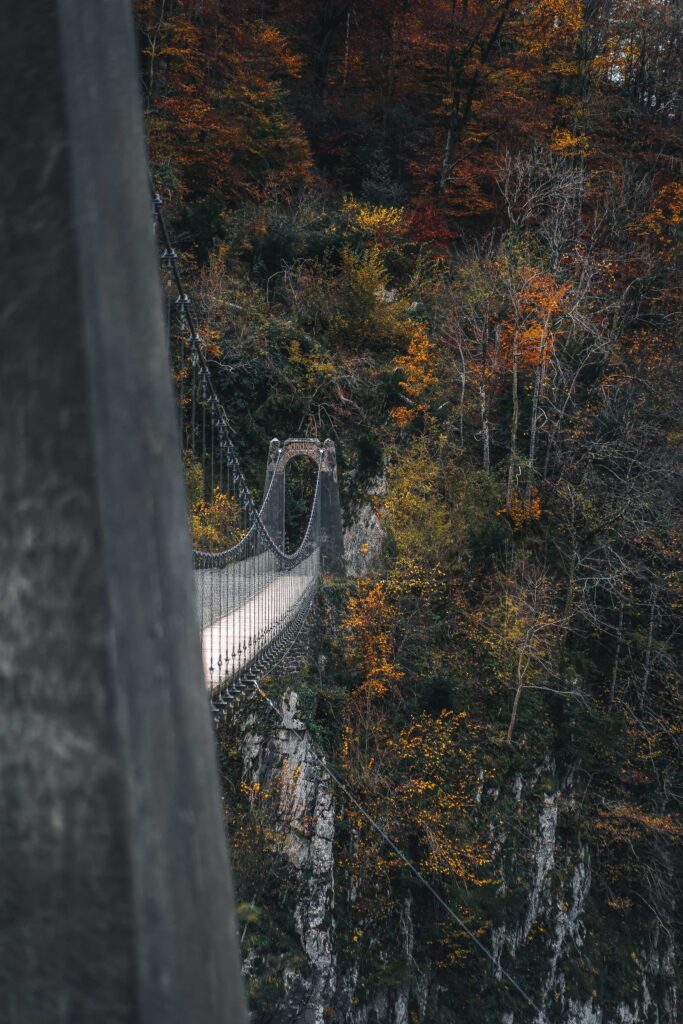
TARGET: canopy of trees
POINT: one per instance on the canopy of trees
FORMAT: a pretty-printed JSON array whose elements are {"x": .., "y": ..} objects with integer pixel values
[{"x": 449, "y": 234}]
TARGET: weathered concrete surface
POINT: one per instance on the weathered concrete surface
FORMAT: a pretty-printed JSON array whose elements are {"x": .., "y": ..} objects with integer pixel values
[
  {"x": 331, "y": 534},
  {"x": 115, "y": 902}
]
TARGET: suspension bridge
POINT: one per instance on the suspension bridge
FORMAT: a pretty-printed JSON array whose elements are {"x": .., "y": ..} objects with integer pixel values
[{"x": 253, "y": 594}]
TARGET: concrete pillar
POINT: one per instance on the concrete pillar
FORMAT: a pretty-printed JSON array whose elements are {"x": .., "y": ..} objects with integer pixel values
[
  {"x": 274, "y": 512},
  {"x": 331, "y": 534},
  {"x": 115, "y": 902}
]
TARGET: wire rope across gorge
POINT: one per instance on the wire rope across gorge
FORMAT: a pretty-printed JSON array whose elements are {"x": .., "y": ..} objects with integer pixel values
[{"x": 253, "y": 595}]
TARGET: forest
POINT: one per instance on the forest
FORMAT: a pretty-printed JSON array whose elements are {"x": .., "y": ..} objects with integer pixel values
[{"x": 448, "y": 234}]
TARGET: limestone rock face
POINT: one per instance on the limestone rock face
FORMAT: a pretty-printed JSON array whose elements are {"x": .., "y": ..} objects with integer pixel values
[
  {"x": 364, "y": 538},
  {"x": 305, "y": 817},
  {"x": 555, "y": 916}
]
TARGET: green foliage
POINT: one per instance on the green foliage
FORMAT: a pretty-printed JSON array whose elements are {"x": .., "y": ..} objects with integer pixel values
[{"x": 414, "y": 510}]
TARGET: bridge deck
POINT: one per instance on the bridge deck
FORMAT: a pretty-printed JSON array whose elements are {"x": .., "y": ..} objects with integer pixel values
[{"x": 258, "y": 610}]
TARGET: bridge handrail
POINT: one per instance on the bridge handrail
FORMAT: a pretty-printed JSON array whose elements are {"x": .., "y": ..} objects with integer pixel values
[
  {"x": 220, "y": 559},
  {"x": 219, "y": 415}
]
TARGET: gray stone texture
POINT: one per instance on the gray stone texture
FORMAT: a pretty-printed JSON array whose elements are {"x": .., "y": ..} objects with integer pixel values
[
  {"x": 331, "y": 533},
  {"x": 115, "y": 902}
]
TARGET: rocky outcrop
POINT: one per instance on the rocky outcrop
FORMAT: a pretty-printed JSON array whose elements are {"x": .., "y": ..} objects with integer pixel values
[
  {"x": 364, "y": 538},
  {"x": 387, "y": 1005},
  {"x": 554, "y": 918},
  {"x": 557, "y": 905},
  {"x": 282, "y": 762}
]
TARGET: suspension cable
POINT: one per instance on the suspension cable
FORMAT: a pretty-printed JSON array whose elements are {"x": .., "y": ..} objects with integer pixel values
[
  {"x": 263, "y": 587},
  {"x": 323, "y": 767},
  {"x": 170, "y": 256}
]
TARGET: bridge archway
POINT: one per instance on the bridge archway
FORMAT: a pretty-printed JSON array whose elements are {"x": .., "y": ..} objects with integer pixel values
[{"x": 280, "y": 454}]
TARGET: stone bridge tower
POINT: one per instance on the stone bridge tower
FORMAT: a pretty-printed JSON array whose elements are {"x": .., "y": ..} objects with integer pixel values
[{"x": 280, "y": 454}]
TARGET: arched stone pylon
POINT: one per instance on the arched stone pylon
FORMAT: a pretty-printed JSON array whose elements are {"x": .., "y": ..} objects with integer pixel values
[{"x": 325, "y": 455}]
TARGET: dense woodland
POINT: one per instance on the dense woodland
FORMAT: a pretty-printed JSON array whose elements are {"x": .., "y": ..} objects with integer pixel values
[{"x": 449, "y": 235}]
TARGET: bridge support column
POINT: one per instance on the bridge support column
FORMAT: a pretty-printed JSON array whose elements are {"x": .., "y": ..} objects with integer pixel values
[
  {"x": 274, "y": 512},
  {"x": 115, "y": 902},
  {"x": 331, "y": 535}
]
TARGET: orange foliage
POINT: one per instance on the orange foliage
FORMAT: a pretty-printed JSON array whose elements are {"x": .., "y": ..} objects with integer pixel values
[
  {"x": 522, "y": 511},
  {"x": 532, "y": 323},
  {"x": 215, "y": 522},
  {"x": 215, "y": 97},
  {"x": 370, "y": 622},
  {"x": 665, "y": 218},
  {"x": 625, "y": 823},
  {"x": 419, "y": 376},
  {"x": 441, "y": 773}
]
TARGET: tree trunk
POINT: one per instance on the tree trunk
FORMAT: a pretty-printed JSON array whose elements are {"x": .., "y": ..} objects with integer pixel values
[
  {"x": 463, "y": 385},
  {"x": 515, "y": 703},
  {"x": 346, "y": 48},
  {"x": 446, "y": 163},
  {"x": 483, "y": 405},
  {"x": 485, "y": 443},
  {"x": 329, "y": 21},
  {"x": 462, "y": 111},
  {"x": 617, "y": 656},
  {"x": 533, "y": 429},
  {"x": 514, "y": 425},
  {"x": 648, "y": 647}
]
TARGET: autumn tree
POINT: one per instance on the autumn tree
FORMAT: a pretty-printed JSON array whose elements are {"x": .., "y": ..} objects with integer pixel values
[{"x": 215, "y": 79}]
